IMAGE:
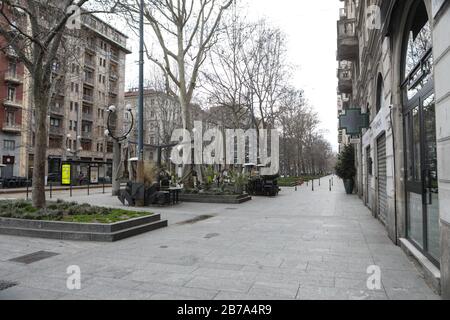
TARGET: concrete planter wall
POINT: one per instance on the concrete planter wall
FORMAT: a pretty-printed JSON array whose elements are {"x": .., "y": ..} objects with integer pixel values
[
  {"x": 81, "y": 231},
  {"x": 225, "y": 199}
]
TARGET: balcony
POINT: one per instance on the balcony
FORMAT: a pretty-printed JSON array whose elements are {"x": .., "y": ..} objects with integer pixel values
[
  {"x": 89, "y": 63},
  {"x": 115, "y": 57},
  {"x": 10, "y": 52},
  {"x": 13, "y": 78},
  {"x": 347, "y": 40},
  {"x": 12, "y": 103},
  {"x": 56, "y": 131},
  {"x": 113, "y": 75},
  {"x": 89, "y": 80},
  {"x": 85, "y": 135},
  {"x": 113, "y": 89},
  {"x": 91, "y": 47},
  {"x": 345, "y": 80},
  {"x": 88, "y": 98},
  {"x": 57, "y": 110},
  {"x": 87, "y": 116},
  {"x": 12, "y": 127}
]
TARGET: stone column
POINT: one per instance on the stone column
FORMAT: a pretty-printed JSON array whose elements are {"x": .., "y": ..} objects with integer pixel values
[{"x": 441, "y": 53}]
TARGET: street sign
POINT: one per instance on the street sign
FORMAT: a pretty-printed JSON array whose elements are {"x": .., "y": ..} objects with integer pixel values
[
  {"x": 66, "y": 174},
  {"x": 353, "y": 121}
]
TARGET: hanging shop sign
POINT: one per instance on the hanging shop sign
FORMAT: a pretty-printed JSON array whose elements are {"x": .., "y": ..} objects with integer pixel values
[
  {"x": 353, "y": 122},
  {"x": 378, "y": 126}
]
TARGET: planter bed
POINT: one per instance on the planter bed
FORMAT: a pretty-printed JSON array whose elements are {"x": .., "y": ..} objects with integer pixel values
[
  {"x": 114, "y": 224},
  {"x": 81, "y": 231},
  {"x": 206, "y": 198}
]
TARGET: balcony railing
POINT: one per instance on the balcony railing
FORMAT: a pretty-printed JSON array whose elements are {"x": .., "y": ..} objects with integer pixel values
[
  {"x": 89, "y": 63},
  {"x": 57, "y": 131},
  {"x": 13, "y": 77},
  {"x": 11, "y": 127},
  {"x": 87, "y": 116},
  {"x": 13, "y": 103},
  {"x": 89, "y": 80},
  {"x": 10, "y": 52},
  {"x": 113, "y": 89},
  {"x": 345, "y": 80},
  {"x": 91, "y": 46},
  {"x": 113, "y": 75},
  {"x": 347, "y": 39},
  {"x": 58, "y": 110},
  {"x": 88, "y": 98},
  {"x": 86, "y": 135}
]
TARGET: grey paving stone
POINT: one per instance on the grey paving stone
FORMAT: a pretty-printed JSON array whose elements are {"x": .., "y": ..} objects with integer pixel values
[
  {"x": 26, "y": 293},
  {"x": 304, "y": 244},
  {"x": 219, "y": 284}
]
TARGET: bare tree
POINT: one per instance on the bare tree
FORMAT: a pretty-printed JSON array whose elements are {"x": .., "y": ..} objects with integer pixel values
[
  {"x": 185, "y": 31},
  {"x": 267, "y": 73},
  {"x": 224, "y": 79},
  {"x": 36, "y": 31}
]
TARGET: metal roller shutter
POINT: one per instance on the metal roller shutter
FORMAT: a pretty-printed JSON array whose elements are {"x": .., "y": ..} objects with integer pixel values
[{"x": 382, "y": 181}]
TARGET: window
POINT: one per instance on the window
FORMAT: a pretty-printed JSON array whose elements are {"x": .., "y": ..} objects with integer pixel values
[
  {"x": 55, "y": 122},
  {"x": 9, "y": 144},
  {"x": 10, "y": 118},
  {"x": 380, "y": 93},
  {"x": 12, "y": 68},
  {"x": 11, "y": 93}
]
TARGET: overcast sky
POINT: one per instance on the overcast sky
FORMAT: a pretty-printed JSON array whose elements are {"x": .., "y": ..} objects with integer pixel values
[{"x": 310, "y": 27}]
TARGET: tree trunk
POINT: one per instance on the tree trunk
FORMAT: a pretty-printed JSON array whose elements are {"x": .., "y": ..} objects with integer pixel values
[{"x": 41, "y": 99}]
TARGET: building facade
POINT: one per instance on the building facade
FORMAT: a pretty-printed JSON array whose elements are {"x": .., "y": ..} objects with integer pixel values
[
  {"x": 162, "y": 115},
  {"x": 12, "y": 100},
  {"x": 89, "y": 80},
  {"x": 394, "y": 64}
]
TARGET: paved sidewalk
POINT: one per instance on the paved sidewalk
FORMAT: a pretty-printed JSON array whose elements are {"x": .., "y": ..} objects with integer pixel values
[{"x": 300, "y": 245}]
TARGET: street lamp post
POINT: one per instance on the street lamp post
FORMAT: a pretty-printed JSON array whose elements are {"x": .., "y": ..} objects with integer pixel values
[
  {"x": 117, "y": 145},
  {"x": 140, "y": 165}
]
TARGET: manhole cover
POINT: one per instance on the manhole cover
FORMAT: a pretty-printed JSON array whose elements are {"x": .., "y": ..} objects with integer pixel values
[
  {"x": 6, "y": 285},
  {"x": 34, "y": 257},
  {"x": 196, "y": 219},
  {"x": 211, "y": 235}
]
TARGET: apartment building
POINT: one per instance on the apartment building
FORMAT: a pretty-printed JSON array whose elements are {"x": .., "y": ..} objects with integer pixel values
[
  {"x": 92, "y": 80},
  {"x": 394, "y": 64},
  {"x": 162, "y": 115},
  {"x": 12, "y": 94}
]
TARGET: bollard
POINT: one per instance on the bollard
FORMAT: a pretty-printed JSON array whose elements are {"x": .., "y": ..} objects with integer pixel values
[
  {"x": 312, "y": 183},
  {"x": 319, "y": 182},
  {"x": 330, "y": 184},
  {"x": 71, "y": 189},
  {"x": 103, "y": 186},
  {"x": 88, "y": 188},
  {"x": 51, "y": 190}
]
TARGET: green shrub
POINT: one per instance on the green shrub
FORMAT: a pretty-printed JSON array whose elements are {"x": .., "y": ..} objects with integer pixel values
[{"x": 345, "y": 167}]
